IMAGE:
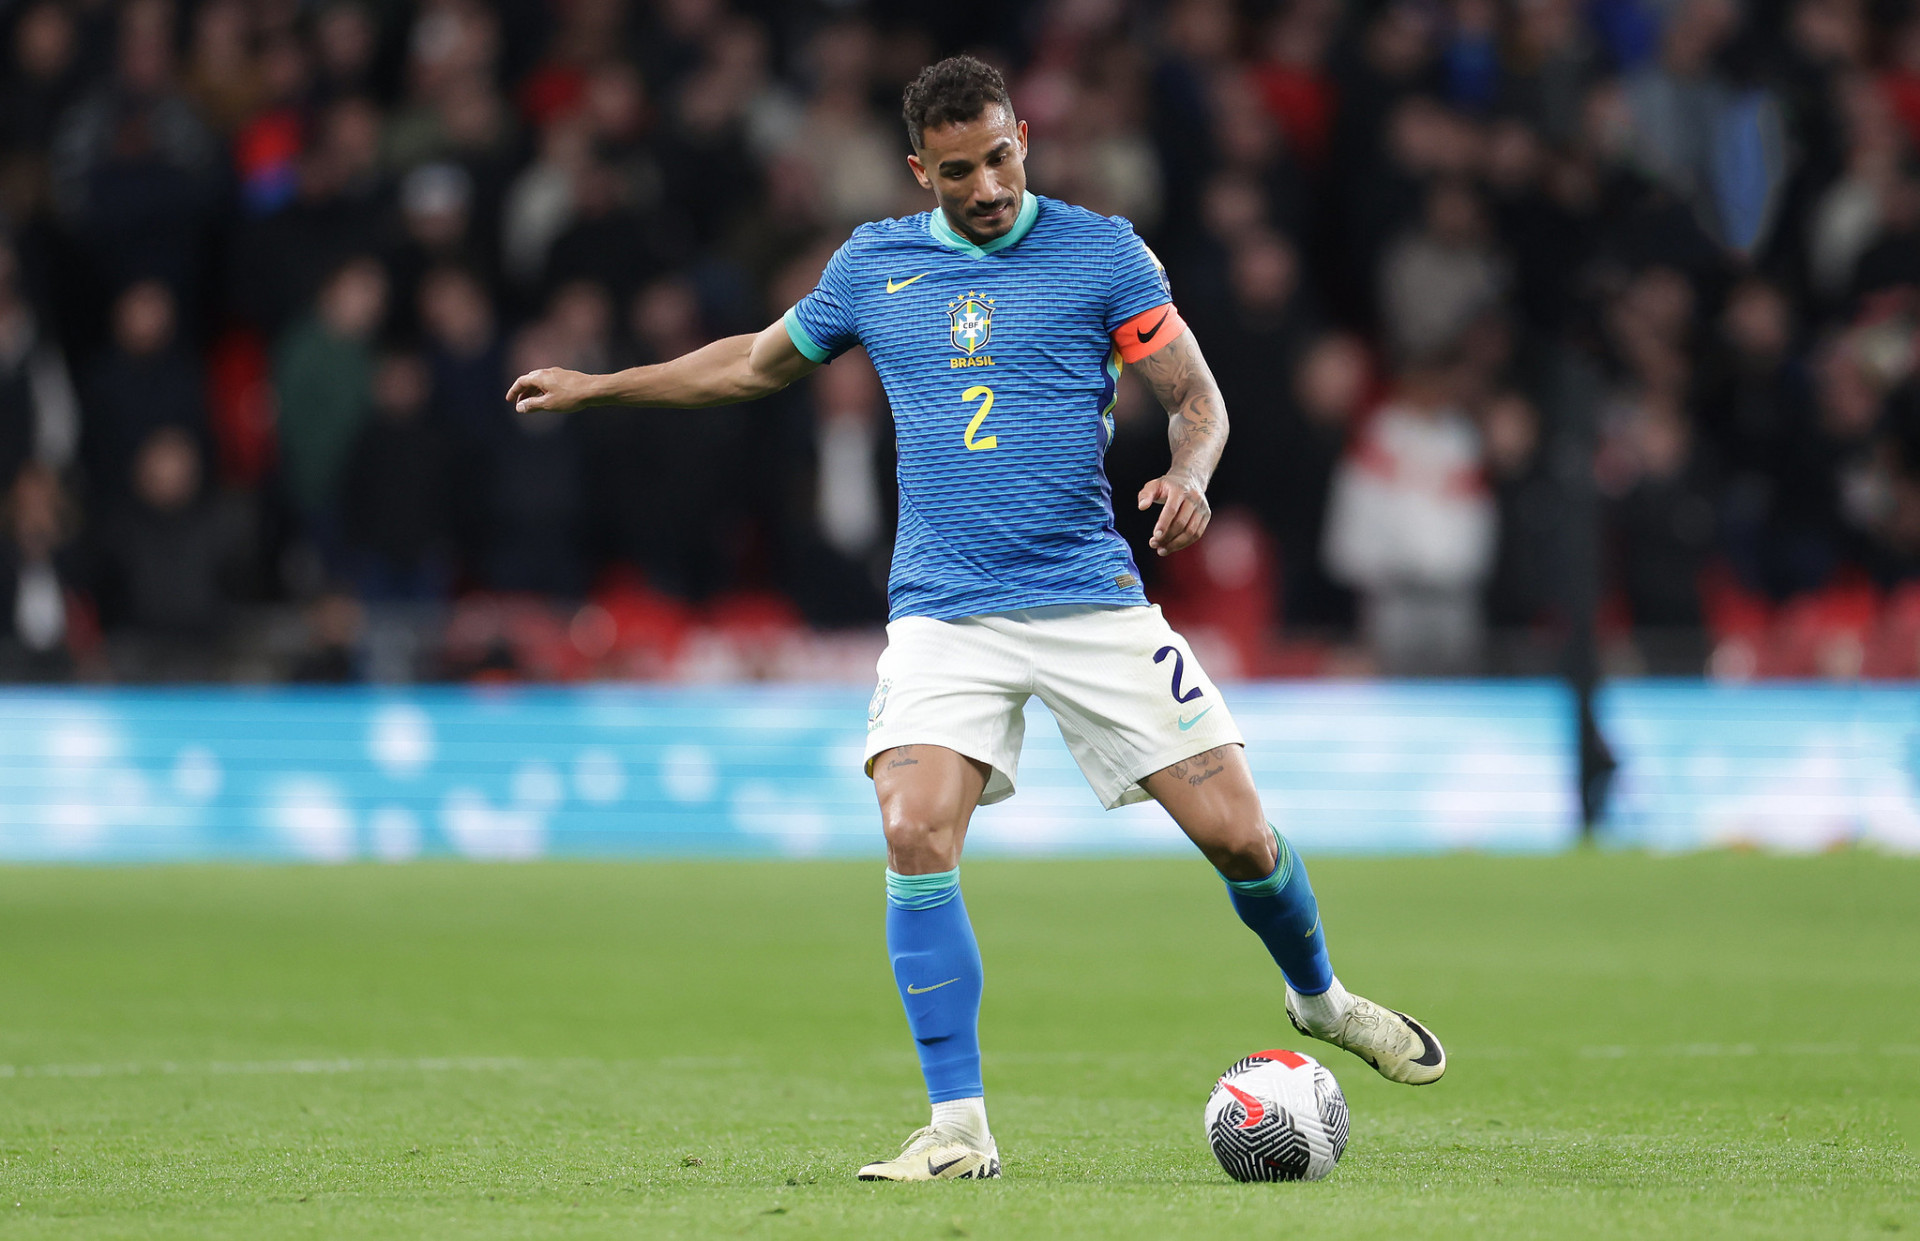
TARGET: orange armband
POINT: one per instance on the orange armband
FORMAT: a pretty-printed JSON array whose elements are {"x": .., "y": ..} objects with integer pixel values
[{"x": 1141, "y": 336}]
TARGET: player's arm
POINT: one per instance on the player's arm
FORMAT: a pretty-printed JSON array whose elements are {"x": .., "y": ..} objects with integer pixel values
[
  {"x": 726, "y": 372},
  {"x": 1178, "y": 377}
]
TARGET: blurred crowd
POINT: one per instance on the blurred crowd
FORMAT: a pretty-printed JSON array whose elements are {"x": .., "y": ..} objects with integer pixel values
[{"x": 266, "y": 267}]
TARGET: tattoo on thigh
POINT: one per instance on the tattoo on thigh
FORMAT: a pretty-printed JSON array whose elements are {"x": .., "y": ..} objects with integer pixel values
[
  {"x": 1201, "y": 768},
  {"x": 1199, "y": 778},
  {"x": 905, "y": 758}
]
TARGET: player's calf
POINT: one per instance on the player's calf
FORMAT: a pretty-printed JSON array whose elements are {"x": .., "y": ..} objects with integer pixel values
[{"x": 1280, "y": 907}]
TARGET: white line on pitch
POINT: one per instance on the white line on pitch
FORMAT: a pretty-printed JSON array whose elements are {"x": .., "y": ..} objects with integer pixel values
[
  {"x": 1618, "y": 1051},
  {"x": 424, "y": 1064}
]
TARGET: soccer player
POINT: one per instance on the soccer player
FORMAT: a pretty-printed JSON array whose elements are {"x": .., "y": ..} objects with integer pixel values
[{"x": 999, "y": 322}]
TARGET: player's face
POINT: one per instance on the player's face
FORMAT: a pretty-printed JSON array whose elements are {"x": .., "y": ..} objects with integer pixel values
[{"x": 978, "y": 170}]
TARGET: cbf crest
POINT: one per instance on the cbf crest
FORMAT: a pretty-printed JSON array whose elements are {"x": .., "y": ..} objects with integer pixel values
[{"x": 971, "y": 319}]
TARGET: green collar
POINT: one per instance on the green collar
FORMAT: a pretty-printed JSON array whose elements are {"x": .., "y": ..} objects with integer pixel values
[{"x": 944, "y": 233}]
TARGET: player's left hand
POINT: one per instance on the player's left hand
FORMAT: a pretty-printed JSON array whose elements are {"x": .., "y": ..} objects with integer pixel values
[{"x": 1185, "y": 517}]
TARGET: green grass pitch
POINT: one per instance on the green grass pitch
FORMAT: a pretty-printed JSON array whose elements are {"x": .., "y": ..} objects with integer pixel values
[{"x": 1703, "y": 1046}]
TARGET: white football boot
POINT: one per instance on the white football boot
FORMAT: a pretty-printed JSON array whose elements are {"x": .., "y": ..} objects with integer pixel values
[
  {"x": 937, "y": 1153},
  {"x": 1392, "y": 1042}
]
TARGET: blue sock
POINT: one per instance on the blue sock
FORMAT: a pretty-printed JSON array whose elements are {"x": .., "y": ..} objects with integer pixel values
[
  {"x": 1280, "y": 909},
  {"x": 936, "y": 964}
]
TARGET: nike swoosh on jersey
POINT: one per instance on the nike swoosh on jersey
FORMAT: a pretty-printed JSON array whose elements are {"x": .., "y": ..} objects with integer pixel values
[
  {"x": 913, "y": 990},
  {"x": 895, "y": 288},
  {"x": 1152, "y": 331},
  {"x": 1185, "y": 723}
]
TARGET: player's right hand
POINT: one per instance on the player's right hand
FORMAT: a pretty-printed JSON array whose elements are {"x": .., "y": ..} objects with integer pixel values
[{"x": 550, "y": 388}]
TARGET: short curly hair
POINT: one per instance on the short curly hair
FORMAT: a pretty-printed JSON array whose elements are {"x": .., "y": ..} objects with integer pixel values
[{"x": 952, "y": 91}]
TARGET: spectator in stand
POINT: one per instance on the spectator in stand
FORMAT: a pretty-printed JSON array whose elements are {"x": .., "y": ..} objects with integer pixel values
[
  {"x": 844, "y": 579},
  {"x": 1194, "y": 45},
  {"x": 1396, "y": 133},
  {"x": 580, "y": 323},
  {"x": 609, "y": 240},
  {"x": 464, "y": 355},
  {"x": 336, "y": 625},
  {"x": 710, "y": 182},
  {"x": 43, "y": 80},
  {"x": 1553, "y": 62},
  {"x": 1715, "y": 147},
  {"x": 1755, "y": 403},
  {"x": 1331, "y": 385},
  {"x": 540, "y": 202},
  {"x": 1663, "y": 519},
  {"x": 39, "y": 415},
  {"x": 1892, "y": 261},
  {"x": 1233, "y": 208},
  {"x": 135, "y": 173},
  {"x": 1293, "y": 81},
  {"x": 1542, "y": 239},
  {"x": 398, "y": 492},
  {"x": 166, "y": 563},
  {"x": 1846, "y": 216},
  {"x": 709, "y": 450},
  {"x": 37, "y": 576},
  {"x": 1524, "y": 589},
  {"x": 435, "y": 212},
  {"x": 1412, "y": 529},
  {"x": 534, "y": 518},
  {"x": 1252, "y": 341},
  {"x": 144, "y": 382},
  {"x": 323, "y": 380},
  {"x": 1855, "y": 466},
  {"x": 853, "y": 154},
  {"x": 223, "y": 79},
  {"x": 1436, "y": 281},
  {"x": 346, "y": 42},
  {"x": 1093, "y": 152},
  {"x": 452, "y": 43},
  {"x": 336, "y": 207}
]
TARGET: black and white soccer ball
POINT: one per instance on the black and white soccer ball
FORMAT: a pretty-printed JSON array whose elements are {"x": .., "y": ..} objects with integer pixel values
[{"x": 1277, "y": 1116}]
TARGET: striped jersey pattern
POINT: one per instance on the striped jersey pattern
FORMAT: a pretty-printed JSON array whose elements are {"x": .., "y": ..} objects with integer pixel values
[{"x": 1000, "y": 367}]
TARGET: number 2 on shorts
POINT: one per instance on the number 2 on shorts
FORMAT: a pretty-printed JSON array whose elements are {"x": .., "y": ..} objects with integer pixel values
[
  {"x": 1179, "y": 670},
  {"x": 975, "y": 393}
]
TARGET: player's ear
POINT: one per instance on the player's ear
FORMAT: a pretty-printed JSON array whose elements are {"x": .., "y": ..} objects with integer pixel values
[
  {"x": 919, "y": 172},
  {"x": 1020, "y": 127}
]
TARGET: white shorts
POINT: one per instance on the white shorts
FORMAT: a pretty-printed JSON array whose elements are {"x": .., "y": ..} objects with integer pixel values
[{"x": 1129, "y": 696}]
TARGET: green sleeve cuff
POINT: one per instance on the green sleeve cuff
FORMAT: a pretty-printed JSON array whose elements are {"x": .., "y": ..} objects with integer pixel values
[
  {"x": 922, "y": 891},
  {"x": 801, "y": 341},
  {"x": 1282, "y": 870}
]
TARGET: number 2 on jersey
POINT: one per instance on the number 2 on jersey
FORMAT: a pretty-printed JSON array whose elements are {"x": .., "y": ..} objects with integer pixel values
[{"x": 975, "y": 393}]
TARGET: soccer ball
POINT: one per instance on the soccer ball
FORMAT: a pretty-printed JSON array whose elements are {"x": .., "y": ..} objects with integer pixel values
[{"x": 1277, "y": 1116}]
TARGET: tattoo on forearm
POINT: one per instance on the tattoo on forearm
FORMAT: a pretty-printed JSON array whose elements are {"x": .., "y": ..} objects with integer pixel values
[{"x": 1196, "y": 415}]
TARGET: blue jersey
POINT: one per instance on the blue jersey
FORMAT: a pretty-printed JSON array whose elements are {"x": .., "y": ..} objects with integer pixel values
[{"x": 1000, "y": 365}]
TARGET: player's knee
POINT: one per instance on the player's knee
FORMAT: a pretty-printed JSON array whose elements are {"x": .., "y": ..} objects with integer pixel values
[
  {"x": 1244, "y": 854},
  {"x": 920, "y": 840}
]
